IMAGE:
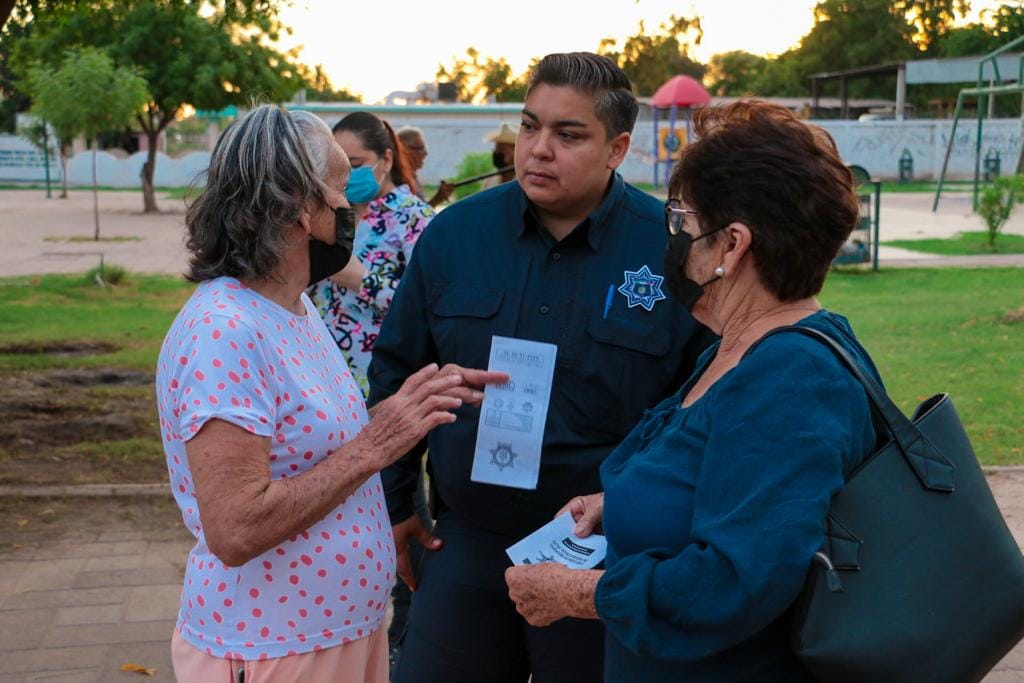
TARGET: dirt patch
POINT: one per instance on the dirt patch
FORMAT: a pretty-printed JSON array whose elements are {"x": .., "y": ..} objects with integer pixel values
[
  {"x": 25, "y": 521},
  {"x": 94, "y": 377},
  {"x": 1014, "y": 316},
  {"x": 79, "y": 426},
  {"x": 63, "y": 349}
]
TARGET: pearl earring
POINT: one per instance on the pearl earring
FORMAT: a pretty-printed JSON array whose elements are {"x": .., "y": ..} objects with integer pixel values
[{"x": 720, "y": 271}]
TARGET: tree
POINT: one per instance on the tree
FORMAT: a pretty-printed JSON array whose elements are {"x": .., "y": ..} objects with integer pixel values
[
  {"x": 11, "y": 100},
  {"x": 854, "y": 33},
  {"x": 996, "y": 203},
  {"x": 736, "y": 73},
  {"x": 1007, "y": 21},
  {"x": 64, "y": 132},
  {"x": 999, "y": 26},
  {"x": 208, "y": 54},
  {"x": 51, "y": 108},
  {"x": 320, "y": 89},
  {"x": 38, "y": 133},
  {"x": 478, "y": 79},
  {"x": 500, "y": 83},
  {"x": 88, "y": 95},
  {"x": 5, "y": 11},
  {"x": 651, "y": 59},
  {"x": 928, "y": 20}
]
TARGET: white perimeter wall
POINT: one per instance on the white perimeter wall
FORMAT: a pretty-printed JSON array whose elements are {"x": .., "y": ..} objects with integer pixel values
[{"x": 875, "y": 145}]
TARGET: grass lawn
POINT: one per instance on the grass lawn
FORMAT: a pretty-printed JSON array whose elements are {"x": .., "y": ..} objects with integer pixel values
[
  {"x": 55, "y": 188},
  {"x": 919, "y": 186},
  {"x": 134, "y": 316},
  {"x": 927, "y": 186},
  {"x": 943, "y": 330},
  {"x": 964, "y": 244},
  {"x": 76, "y": 362},
  {"x": 929, "y": 330}
]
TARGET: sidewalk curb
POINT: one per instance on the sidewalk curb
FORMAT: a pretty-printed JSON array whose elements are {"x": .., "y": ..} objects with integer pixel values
[
  {"x": 163, "y": 490},
  {"x": 87, "y": 491},
  {"x": 994, "y": 261}
]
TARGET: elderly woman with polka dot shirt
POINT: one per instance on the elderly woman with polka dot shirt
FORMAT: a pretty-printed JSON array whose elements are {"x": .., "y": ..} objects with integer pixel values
[{"x": 272, "y": 456}]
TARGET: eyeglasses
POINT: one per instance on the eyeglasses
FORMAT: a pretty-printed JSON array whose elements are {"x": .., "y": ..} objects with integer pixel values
[
  {"x": 416, "y": 148},
  {"x": 674, "y": 216}
]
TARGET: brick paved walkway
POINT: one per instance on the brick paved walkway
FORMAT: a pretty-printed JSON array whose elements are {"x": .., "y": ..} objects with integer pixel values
[{"x": 75, "y": 607}]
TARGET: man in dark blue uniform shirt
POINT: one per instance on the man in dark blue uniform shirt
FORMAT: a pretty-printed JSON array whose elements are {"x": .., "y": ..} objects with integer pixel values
[{"x": 568, "y": 255}]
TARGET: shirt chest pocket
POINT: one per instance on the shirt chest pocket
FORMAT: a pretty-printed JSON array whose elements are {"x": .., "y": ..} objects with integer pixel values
[
  {"x": 463, "y": 318},
  {"x": 628, "y": 369}
]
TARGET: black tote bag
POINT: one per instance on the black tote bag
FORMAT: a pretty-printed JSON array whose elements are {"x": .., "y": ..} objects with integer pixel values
[{"x": 919, "y": 578}]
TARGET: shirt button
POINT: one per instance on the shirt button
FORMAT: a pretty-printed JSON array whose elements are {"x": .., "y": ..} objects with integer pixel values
[
  {"x": 544, "y": 310},
  {"x": 556, "y": 256}
]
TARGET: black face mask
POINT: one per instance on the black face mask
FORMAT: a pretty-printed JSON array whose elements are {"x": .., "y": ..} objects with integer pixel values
[
  {"x": 498, "y": 159},
  {"x": 683, "y": 289},
  {"x": 327, "y": 259}
]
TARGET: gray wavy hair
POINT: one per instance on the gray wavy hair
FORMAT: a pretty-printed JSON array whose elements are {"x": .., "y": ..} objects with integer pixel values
[{"x": 265, "y": 169}]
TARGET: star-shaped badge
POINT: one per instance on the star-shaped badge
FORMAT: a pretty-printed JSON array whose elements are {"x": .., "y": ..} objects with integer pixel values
[
  {"x": 503, "y": 456},
  {"x": 642, "y": 288}
]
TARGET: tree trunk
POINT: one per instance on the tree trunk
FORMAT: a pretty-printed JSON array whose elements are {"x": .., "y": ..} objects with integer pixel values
[
  {"x": 148, "y": 171},
  {"x": 63, "y": 172},
  {"x": 95, "y": 195}
]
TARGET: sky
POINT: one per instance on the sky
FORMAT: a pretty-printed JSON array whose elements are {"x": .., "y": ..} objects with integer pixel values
[{"x": 379, "y": 46}]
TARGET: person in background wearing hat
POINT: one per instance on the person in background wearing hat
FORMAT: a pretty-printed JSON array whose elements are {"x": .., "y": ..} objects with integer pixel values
[
  {"x": 415, "y": 147},
  {"x": 567, "y": 254},
  {"x": 504, "y": 155}
]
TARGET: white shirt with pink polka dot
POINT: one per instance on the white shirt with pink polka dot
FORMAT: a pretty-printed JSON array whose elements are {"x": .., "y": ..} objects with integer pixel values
[{"x": 236, "y": 356}]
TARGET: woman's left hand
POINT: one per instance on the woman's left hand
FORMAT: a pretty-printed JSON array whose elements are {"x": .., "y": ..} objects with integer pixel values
[{"x": 545, "y": 593}]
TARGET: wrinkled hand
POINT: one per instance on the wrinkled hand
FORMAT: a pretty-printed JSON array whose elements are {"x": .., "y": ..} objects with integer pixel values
[
  {"x": 401, "y": 421},
  {"x": 470, "y": 389},
  {"x": 586, "y": 512},
  {"x": 404, "y": 532},
  {"x": 547, "y": 592}
]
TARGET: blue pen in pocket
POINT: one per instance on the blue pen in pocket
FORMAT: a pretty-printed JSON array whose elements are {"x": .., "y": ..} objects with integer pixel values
[{"x": 608, "y": 300}]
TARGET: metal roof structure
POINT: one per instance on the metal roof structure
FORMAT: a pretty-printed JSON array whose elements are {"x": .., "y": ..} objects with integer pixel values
[{"x": 921, "y": 71}]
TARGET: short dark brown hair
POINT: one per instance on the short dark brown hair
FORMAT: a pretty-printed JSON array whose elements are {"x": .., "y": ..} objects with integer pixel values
[
  {"x": 756, "y": 163},
  {"x": 614, "y": 103}
]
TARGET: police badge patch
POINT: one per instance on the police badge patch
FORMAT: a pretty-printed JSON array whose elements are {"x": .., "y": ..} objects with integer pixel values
[
  {"x": 642, "y": 288},
  {"x": 503, "y": 456}
]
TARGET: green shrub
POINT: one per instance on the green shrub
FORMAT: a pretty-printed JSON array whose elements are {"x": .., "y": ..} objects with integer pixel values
[
  {"x": 996, "y": 203},
  {"x": 107, "y": 275},
  {"x": 473, "y": 164}
]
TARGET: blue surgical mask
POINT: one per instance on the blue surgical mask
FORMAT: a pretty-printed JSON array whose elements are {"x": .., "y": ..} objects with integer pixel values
[{"x": 362, "y": 185}]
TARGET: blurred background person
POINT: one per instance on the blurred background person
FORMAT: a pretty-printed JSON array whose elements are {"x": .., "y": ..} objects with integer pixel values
[
  {"x": 503, "y": 155},
  {"x": 415, "y": 147},
  {"x": 353, "y": 303}
]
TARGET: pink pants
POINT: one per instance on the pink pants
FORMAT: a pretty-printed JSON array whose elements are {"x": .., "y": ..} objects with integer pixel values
[{"x": 364, "y": 660}]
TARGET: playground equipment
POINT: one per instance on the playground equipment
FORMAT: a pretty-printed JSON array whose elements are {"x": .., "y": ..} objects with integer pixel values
[
  {"x": 979, "y": 91},
  {"x": 677, "y": 97}
]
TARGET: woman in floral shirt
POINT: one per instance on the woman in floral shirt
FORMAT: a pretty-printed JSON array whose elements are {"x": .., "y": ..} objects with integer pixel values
[{"x": 354, "y": 301}]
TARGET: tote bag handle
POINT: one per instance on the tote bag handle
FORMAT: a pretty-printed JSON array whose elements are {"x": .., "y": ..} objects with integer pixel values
[{"x": 932, "y": 468}]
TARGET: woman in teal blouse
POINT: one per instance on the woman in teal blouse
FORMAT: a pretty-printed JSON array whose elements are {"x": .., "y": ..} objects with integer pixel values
[{"x": 714, "y": 505}]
